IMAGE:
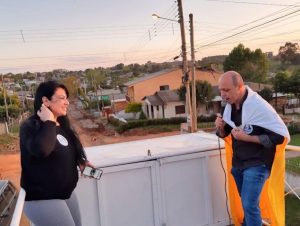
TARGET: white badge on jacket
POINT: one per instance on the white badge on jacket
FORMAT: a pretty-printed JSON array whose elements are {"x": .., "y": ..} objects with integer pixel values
[{"x": 62, "y": 140}]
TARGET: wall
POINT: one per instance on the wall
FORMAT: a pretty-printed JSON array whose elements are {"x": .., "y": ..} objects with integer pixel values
[
  {"x": 170, "y": 110},
  {"x": 173, "y": 79}
]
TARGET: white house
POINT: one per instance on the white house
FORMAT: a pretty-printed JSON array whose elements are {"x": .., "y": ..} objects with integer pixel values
[{"x": 163, "y": 104}]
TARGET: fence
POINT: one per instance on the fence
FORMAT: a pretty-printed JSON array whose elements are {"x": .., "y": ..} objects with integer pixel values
[{"x": 13, "y": 124}]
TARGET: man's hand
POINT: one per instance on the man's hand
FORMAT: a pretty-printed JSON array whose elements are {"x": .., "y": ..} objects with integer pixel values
[
  {"x": 220, "y": 124},
  {"x": 240, "y": 134}
]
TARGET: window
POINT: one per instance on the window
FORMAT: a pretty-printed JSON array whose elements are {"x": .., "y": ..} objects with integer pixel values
[
  {"x": 180, "y": 109},
  {"x": 164, "y": 87}
]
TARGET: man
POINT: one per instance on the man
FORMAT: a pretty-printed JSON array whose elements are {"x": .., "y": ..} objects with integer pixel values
[{"x": 256, "y": 134}]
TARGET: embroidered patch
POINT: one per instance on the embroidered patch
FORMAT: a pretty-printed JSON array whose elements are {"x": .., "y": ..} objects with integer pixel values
[
  {"x": 248, "y": 129},
  {"x": 62, "y": 140}
]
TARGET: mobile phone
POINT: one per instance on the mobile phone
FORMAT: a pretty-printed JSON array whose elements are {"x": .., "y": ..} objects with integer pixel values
[{"x": 92, "y": 172}]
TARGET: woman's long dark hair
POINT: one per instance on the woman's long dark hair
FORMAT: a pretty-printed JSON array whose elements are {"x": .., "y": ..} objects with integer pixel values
[{"x": 47, "y": 89}]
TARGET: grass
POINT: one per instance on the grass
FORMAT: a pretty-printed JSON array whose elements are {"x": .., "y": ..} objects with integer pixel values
[
  {"x": 295, "y": 140},
  {"x": 293, "y": 165},
  {"x": 292, "y": 204},
  {"x": 292, "y": 210},
  {"x": 6, "y": 139}
]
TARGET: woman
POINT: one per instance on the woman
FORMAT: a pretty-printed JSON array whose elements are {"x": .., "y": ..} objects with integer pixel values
[{"x": 50, "y": 154}]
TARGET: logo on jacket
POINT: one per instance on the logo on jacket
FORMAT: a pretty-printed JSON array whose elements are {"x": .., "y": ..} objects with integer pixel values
[
  {"x": 248, "y": 129},
  {"x": 62, "y": 140}
]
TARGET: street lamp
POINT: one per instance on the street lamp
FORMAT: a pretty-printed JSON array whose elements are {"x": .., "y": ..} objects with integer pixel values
[{"x": 155, "y": 16}]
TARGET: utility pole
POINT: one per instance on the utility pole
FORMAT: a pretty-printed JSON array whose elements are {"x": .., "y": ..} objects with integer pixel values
[
  {"x": 194, "y": 107},
  {"x": 4, "y": 97},
  {"x": 185, "y": 78}
]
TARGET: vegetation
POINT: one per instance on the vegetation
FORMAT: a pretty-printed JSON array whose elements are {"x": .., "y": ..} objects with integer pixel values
[
  {"x": 293, "y": 165},
  {"x": 253, "y": 65},
  {"x": 204, "y": 92},
  {"x": 295, "y": 139},
  {"x": 266, "y": 93},
  {"x": 133, "y": 108},
  {"x": 13, "y": 105},
  {"x": 292, "y": 210},
  {"x": 288, "y": 53}
]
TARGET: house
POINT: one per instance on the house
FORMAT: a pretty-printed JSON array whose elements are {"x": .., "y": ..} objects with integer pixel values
[
  {"x": 118, "y": 104},
  {"x": 163, "y": 104},
  {"x": 169, "y": 79}
]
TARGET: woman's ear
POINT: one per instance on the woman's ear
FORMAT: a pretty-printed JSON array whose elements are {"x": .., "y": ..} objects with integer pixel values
[{"x": 46, "y": 101}]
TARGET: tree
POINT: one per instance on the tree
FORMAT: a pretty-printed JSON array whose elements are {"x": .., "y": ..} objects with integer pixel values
[
  {"x": 294, "y": 83},
  {"x": 13, "y": 106},
  {"x": 72, "y": 85},
  {"x": 95, "y": 77},
  {"x": 280, "y": 84},
  {"x": 288, "y": 53},
  {"x": 266, "y": 93},
  {"x": 252, "y": 65},
  {"x": 133, "y": 108},
  {"x": 204, "y": 92}
]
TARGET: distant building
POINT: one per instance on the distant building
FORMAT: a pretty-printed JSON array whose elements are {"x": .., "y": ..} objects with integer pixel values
[
  {"x": 169, "y": 79},
  {"x": 163, "y": 104},
  {"x": 269, "y": 54}
]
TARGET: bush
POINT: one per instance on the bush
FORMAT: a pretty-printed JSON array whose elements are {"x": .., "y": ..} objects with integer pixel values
[
  {"x": 142, "y": 115},
  {"x": 122, "y": 127},
  {"x": 206, "y": 118},
  {"x": 293, "y": 128}
]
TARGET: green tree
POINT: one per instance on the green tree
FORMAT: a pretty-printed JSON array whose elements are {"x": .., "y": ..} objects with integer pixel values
[
  {"x": 94, "y": 77},
  {"x": 72, "y": 85},
  {"x": 204, "y": 92},
  {"x": 13, "y": 106},
  {"x": 280, "y": 84},
  {"x": 288, "y": 53},
  {"x": 294, "y": 83},
  {"x": 252, "y": 65},
  {"x": 133, "y": 108},
  {"x": 266, "y": 93}
]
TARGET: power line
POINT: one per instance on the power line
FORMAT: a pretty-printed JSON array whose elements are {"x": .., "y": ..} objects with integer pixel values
[
  {"x": 256, "y": 20},
  {"x": 248, "y": 29},
  {"x": 249, "y": 3}
]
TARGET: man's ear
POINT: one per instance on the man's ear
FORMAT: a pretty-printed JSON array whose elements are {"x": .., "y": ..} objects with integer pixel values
[{"x": 46, "y": 101}]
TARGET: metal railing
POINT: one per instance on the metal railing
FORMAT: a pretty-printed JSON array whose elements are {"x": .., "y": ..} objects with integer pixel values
[{"x": 16, "y": 218}]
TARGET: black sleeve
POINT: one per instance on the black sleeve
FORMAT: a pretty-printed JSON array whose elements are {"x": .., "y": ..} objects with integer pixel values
[
  {"x": 227, "y": 129},
  {"x": 38, "y": 138},
  {"x": 270, "y": 139}
]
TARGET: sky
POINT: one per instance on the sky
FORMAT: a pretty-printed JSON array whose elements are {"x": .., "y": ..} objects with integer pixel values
[{"x": 42, "y": 35}]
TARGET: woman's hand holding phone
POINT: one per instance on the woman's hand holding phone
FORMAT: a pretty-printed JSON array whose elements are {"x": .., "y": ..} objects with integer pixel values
[{"x": 45, "y": 114}]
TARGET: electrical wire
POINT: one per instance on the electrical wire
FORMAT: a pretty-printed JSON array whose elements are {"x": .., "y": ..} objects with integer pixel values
[
  {"x": 225, "y": 184},
  {"x": 248, "y": 29},
  {"x": 254, "y": 21},
  {"x": 249, "y": 3}
]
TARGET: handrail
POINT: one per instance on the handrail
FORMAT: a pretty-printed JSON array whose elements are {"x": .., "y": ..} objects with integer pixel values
[
  {"x": 292, "y": 148},
  {"x": 18, "y": 209}
]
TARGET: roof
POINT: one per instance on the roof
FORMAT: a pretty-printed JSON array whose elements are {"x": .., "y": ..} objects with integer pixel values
[
  {"x": 154, "y": 100},
  {"x": 162, "y": 97},
  {"x": 149, "y": 76}
]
